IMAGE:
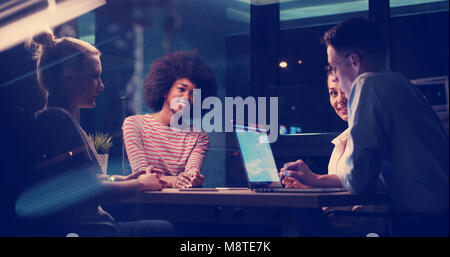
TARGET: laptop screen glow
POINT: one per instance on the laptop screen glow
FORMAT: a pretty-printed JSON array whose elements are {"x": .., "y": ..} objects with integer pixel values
[{"x": 257, "y": 156}]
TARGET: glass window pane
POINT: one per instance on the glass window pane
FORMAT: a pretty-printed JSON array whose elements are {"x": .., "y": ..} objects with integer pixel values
[
  {"x": 415, "y": 7},
  {"x": 301, "y": 13}
]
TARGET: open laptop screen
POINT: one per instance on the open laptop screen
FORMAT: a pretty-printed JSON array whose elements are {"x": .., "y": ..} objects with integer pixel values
[{"x": 257, "y": 157}]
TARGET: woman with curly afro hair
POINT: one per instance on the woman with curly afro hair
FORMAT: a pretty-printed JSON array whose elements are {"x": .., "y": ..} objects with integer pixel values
[{"x": 149, "y": 139}]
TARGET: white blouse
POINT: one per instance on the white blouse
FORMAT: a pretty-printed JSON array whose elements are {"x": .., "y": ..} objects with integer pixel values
[
  {"x": 337, "y": 165},
  {"x": 339, "y": 155}
]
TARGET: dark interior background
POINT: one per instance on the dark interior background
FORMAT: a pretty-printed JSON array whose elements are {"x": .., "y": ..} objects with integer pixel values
[{"x": 131, "y": 34}]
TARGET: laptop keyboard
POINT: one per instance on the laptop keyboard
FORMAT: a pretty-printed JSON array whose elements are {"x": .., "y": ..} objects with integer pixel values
[{"x": 298, "y": 190}]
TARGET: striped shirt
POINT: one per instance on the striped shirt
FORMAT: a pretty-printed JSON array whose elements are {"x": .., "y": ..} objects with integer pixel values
[{"x": 148, "y": 142}]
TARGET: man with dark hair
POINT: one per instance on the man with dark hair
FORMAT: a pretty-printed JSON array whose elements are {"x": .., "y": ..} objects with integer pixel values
[
  {"x": 393, "y": 130},
  {"x": 352, "y": 40}
]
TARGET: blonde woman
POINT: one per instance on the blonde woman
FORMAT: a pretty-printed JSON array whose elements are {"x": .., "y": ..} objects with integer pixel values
[{"x": 69, "y": 70}]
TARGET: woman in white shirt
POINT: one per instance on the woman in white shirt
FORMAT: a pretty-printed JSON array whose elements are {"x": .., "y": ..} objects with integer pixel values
[{"x": 298, "y": 175}]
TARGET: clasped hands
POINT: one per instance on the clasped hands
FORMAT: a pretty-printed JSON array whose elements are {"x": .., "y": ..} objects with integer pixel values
[
  {"x": 148, "y": 179},
  {"x": 156, "y": 180},
  {"x": 188, "y": 179}
]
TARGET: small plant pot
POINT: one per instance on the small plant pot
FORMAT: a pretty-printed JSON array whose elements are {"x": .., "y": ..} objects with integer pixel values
[{"x": 103, "y": 160}]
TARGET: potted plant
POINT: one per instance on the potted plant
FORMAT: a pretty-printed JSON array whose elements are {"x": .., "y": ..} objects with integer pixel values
[{"x": 102, "y": 143}]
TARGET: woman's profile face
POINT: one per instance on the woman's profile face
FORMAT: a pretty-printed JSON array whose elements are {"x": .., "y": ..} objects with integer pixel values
[
  {"x": 338, "y": 100},
  {"x": 88, "y": 84},
  {"x": 181, "y": 90}
]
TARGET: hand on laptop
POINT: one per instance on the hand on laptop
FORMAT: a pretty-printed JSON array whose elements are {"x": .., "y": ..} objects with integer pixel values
[
  {"x": 292, "y": 183},
  {"x": 299, "y": 171}
]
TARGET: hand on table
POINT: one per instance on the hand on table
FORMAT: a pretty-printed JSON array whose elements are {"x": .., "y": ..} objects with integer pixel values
[
  {"x": 188, "y": 179},
  {"x": 182, "y": 180},
  {"x": 299, "y": 171},
  {"x": 150, "y": 169},
  {"x": 103, "y": 177},
  {"x": 151, "y": 182},
  {"x": 197, "y": 179}
]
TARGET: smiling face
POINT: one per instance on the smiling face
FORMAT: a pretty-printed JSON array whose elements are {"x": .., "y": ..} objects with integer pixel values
[
  {"x": 338, "y": 100},
  {"x": 181, "y": 88},
  {"x": 87, "y": 84}
]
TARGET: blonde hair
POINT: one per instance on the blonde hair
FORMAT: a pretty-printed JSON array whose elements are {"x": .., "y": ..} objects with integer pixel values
[{"x": 53, "y": 55}]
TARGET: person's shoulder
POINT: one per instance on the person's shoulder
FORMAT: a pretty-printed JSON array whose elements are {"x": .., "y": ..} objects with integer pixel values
[
  {"x": 57, "y": 122},
  {"x": 134, "y": 119},
  {"x": 385, "y": 77},
  {"x": 367, "y": 77},
  {"x": 199, "y": 133},
  {"x": 53, "y": 113},
  {"x": 379, "y": 83},
  {"x": 203, "y": 135}
]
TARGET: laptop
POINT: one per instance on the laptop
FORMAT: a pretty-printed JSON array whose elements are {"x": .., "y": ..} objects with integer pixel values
[{"x": 259, "y": 163}]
